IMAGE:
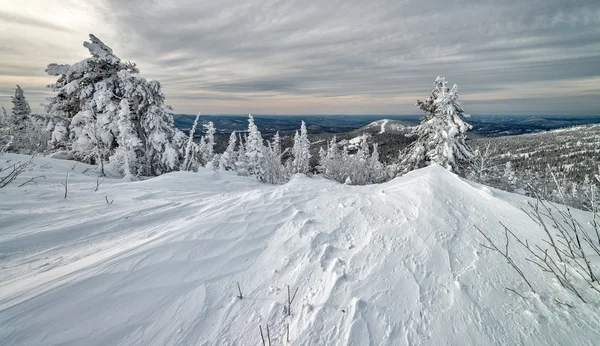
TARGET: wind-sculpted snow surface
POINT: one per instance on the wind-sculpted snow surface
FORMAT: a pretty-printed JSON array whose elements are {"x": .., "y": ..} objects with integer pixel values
[{"x": 398, "y": 263}]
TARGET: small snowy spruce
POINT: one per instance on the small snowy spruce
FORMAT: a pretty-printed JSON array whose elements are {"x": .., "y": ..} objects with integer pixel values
[{"x": 441, "y": 133}]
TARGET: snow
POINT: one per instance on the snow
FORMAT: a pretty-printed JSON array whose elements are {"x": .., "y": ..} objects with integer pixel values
[
  {"x": 383, "y": 123},
  {"x": 398, "y": 263}
]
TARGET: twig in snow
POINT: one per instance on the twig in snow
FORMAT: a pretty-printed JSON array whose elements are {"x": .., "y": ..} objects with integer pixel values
[
  {"x": 505, "y": 254},
  {"x": 32, "y": 180},
  {"x": 515, "y": 292},
  {"x": 106, "y": 198},
  {"x": 66, "y": 185},
  {"x": 287, "y": 338},
  {"x": 16, "y": 170},
  {"x": 98, "y": 183},
  {"x": 261, "y": 335},
  {"x": 239, "y": 290}
]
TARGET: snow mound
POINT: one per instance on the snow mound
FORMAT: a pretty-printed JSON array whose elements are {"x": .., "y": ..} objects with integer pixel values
[{"x": 398, "y": 263}]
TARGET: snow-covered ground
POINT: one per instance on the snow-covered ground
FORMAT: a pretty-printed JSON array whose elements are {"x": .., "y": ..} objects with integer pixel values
[{"x": 393, "y": 264}]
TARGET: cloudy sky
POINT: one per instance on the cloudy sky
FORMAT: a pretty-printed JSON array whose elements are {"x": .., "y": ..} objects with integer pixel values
[{"x": 321, "y": 57}]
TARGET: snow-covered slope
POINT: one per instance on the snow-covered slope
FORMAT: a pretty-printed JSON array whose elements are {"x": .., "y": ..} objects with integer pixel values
[
  {"x": 388, "y": 126},
  {"x": 392, "y": 264}
]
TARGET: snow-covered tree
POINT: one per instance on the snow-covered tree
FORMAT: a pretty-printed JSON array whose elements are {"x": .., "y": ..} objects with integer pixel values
[
  {"x": 228, "y": 157},
  {"x": 241, "y": 162},
  {"x": 19, "y": 122},
  {"x": 208, "y": 151},
  {"x": 441, "y": 133},
  {"x": 189, "y": 155},
  {"x": 273, "y": 170},
  {"x": 89, "y": 94},
  {"x": 21, "y": 111},
  {"x": 301, "y": 151},
  {"x": 483, "y": 165},
  {"x": 254, "y": 150},
  {"x": 510, "y": 177},
  {"x": 360, "y": 168},
  {"x": 3, "y": 117},
  {"x": 5, "y": 137}
]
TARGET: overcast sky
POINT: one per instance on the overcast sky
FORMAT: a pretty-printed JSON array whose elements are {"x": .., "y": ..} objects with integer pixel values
[{"x": 321, "y": 57}]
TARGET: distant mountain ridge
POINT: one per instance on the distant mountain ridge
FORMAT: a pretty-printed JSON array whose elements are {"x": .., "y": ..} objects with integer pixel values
[{"x": 483, "y": 125}]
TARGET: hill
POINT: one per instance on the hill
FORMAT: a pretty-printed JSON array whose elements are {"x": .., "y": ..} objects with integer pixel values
[
  {"x": 571, "y": 153},
  {"x": 157, "y": 262}
]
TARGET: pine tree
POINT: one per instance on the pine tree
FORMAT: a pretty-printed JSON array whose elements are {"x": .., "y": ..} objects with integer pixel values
[
  {"x": 189, "y": 149},
  {"x": 509, "y": 177},
  {"x": 441, "y": 134},
  {"x": 88, "y": 100},
  {"x": 254, "y": 150},
  {"x": 20, "y": 113},
  {"x": 19, "y": 122},
  {"x": 208, "y": 151},
  {"x": 273, "y": 170},
  {"x": 3, "y": 118},
  {"x": 241, "y": 164},
  {"x": 301, "y": 151},
  {"x": 228, "y": 157}
]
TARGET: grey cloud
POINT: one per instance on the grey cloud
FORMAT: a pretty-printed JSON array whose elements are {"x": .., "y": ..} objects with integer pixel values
[
  {"x": 30, "y": 21},
  {"x": 240, "y": 50}
]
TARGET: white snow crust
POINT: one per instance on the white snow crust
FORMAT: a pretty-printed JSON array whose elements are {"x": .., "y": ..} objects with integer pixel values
[{"x": 398, "y": 263}]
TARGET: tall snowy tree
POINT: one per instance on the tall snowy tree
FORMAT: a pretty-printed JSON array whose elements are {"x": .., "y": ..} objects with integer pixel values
[
  {"x": 301, "y": 151},
  {"x": 208, "y": 151},
  {"x": 254, "y": 150},
  {"x": 241, "y": 162},
  {"x": 3, "y": 117},
  {"x": 19, "y": 122},
  {"x": 189, "y": 155},
  {"x": 20, "y": 113},
  {"x": 88, "y": 98},
  {"x": 273, "y": 170},
  {"x": 228, "y": 157},
  {"x": 441, "y": 133}
]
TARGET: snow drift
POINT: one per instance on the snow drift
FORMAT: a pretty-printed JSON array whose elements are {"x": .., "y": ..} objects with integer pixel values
[{"x": 398, "y": 263}]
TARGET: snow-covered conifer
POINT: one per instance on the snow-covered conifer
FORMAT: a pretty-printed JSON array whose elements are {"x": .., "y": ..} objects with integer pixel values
[
  {"x": 509, "y": 177},
  {"x": 441, "y": 134},
  {"x": 3, "y": 117},
  {"x": 273, "y": 170},
  {"x": 88, "y": 98},
  {"x": 301, "y": 151},
  {"x": 208, "y": 151},
  {"x": 19, "y": 122},
  {"x": 254, "y": 149},
  {"x": 20, "y": 112},
  {"x": 228, "y": 157},
  {"x": 189, "y": 149},
  {"x": 241, "y": 163}
]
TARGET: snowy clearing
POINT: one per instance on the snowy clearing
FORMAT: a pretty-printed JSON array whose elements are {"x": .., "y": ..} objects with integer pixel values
[
  {"x": 398, "y": 263},
  {"x": 383, "y": 123}
]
